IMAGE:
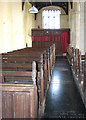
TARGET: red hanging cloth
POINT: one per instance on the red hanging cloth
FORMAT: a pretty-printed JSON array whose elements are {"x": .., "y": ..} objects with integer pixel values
[{"x": 65, "y": 41}]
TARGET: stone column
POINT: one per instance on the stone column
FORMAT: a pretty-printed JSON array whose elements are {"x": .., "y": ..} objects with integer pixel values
[
  {"x": 75, "y": 25},
  {"x": 73, "y": 29},
  {"x": 85, "y": 26},
  {"x": 81, "y": 42},
  {"x": 77, "y": 30},
  {"x": 70, "y": 25}
]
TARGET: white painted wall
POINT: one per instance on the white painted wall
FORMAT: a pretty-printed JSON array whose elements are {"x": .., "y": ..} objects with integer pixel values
[{"x": 15, "y": 26}]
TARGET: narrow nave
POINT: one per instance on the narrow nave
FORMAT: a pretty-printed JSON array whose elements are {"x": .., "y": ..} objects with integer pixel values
[{"x": 63, "y": 99}]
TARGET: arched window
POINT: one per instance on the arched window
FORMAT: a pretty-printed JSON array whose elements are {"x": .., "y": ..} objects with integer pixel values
[{"x": 51, "y": 19}]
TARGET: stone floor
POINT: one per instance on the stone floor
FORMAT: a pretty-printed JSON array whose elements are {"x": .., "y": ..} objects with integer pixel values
[{"x": 63, "y": 99}]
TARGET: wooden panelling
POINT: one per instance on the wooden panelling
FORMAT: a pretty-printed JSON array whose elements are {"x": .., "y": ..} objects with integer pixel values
[
  {"x": 48, "y": 32},
  {"x": 19, "y": 104},
  {"x": 61, "y": 38}
]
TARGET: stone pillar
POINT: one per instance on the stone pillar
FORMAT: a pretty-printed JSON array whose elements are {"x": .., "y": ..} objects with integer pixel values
[
  {"x": 81, "y": 42},
  {"x": 72, "y": 26},
  {"x": 85, "y": 26},
  {"x": 75, "y": 25},
  {"x": 77, "y": 29},
  {"x": 73, "y": 31}
]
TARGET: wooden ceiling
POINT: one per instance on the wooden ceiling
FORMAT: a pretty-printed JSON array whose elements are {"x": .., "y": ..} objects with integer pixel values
[{"x": 39, "y": 5}]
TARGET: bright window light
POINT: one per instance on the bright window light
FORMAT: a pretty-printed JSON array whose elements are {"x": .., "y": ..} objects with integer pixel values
[{"x": 51, "y": 19}]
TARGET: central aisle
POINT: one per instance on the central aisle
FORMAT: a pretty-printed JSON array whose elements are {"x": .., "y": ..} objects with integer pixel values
[{"x": 63, "y": 99}]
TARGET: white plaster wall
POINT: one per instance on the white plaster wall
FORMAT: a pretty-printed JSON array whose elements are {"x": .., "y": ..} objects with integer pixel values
[
  {"x": 64, "y": 21},
  {"x": 15, "y": 26}
]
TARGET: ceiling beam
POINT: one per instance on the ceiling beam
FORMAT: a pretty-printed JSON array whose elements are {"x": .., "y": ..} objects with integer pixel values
[{"x": 40, "y": 5}]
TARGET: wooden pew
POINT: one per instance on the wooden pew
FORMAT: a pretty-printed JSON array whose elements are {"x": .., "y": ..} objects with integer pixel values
[
  {"x": 19, "y": 94},
  {"x": 49, "y": 58},
  {"x": 14, "y": 57},
  {"x": 26, "y": 56},
  {"x": 33, "y": 53},
  {"x": 20, "y": 61},
  {"x": 49, "y": 50},
  {"x": 79, "y": 70},
  {"x": 84, "y": 89},
  {"x": 82, "y": 68},
  {"x": 19, "y": 66},
  {"x": 70, "y": 55},
  {"x": 76, "y": 62},
  {"x": 46, "y": 44},
  {"x": 41, "y": 44}
]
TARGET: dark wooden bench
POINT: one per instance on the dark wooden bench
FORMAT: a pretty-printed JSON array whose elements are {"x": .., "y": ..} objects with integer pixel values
[
  {"x": 48, "y": 61},
  {"x": 47, "y": 44},
  {"x": 70, "y": 54},
  {"x": 84, "y": 89},
  {"x": 49, "y": 50},
  {"x": 20, "y": 66},
  {"x": 78, "y": 65},
  {"x": 82, "y": 68},
  {"x": 19, "y": 94},
  {"x": 21, "y": 61}
]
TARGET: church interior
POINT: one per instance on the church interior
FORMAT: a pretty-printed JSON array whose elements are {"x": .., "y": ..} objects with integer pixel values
[{"x": 43, "y": 59}]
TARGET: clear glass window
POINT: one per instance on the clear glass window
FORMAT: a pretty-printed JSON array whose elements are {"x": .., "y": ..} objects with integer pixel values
[{"x": 51, "y": 19}]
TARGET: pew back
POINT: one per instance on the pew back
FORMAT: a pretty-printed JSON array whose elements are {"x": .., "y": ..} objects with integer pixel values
[{"x": 19, "y": 94}]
